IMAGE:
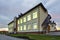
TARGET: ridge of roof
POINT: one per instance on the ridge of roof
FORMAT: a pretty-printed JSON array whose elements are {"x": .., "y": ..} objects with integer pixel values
[
  {"x": 11, "y": 22},
  {"x": 40, "y": 4}
]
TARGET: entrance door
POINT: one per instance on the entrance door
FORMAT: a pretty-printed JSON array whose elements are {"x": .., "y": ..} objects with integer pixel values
[{"x": 48, "y": 28}]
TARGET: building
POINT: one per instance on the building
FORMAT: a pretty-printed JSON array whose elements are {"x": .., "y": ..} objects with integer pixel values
[
  {"x": 35, "y": 20},
  {"x": 52, "y": 26},
  {"x": 10, "y": 27}
]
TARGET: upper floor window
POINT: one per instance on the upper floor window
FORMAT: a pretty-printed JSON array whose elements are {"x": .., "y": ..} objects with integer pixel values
[
  {"x": 20, "y": 20},
  {"x": 34, "y": 15},
  {"x": 28, "y": 17},
  {"x": 24, "y": 19}
]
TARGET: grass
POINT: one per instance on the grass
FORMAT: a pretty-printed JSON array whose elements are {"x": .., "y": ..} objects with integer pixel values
[{"x": 37, "y": 36}]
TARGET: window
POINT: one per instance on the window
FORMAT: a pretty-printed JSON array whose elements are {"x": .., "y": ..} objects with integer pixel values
[
  {"x": 20, "y": 20},
  {"x": 20, "y": 28},
  {"x": 24, "y": 27},
  {"x": 29, "y": 27},
  {"x": 29, "y": 17},
  {"x": 34, "y": 15},
  {"x": 35, "y": 26},
  {"x": 24, "y": 19}
]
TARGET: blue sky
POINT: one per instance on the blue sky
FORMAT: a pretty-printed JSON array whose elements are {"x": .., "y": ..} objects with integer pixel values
[{"x": 11, "y": 8}]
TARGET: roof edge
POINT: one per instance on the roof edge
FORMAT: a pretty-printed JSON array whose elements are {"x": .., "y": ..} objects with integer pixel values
[{"x": 40, "y": 4}]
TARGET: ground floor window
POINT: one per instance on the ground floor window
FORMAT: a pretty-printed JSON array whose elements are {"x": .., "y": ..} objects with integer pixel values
[
  {"x": 18, "y": 28},
  {"x": 24, "y": 27},
  {"x": 29, "y": 27},
  {"x": 21, "y": 28},
  {"x": 35, "y": 26}
]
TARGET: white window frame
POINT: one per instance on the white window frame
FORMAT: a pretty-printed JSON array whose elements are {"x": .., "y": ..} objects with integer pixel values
[
  {"x": 24, "y": 19},
  {"x": 18, "y": 21},
  {"x": 21, "y": 28},
  {"x": 24, "y": 27},
  {"x": 29, "y": 27},
  {"x": 35, "y": 26},
  {"x": 34, "y": 15},
  {"x": 21, "y": 21},
  {"x": 28, "y": 17}
]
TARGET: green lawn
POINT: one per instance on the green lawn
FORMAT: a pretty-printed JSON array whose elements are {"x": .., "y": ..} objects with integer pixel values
[{"x": 37, "y": 36}]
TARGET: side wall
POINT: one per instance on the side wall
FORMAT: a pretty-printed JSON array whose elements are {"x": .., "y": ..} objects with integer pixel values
[
  {"x": 29, "y": 22},
  {"x": 52, "y": 28},
  {"x": 43, "y": 14},
  {"x": 10, "y": 27}
]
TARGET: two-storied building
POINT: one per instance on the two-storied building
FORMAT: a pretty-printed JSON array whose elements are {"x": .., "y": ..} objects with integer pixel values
[{"x": 35, "y": 20}]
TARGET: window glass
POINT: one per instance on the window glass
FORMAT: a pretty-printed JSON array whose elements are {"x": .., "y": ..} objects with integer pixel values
[
  {"x": 24, "y": 19},
  {"x": 24, "y": 27},
  {"x": 29, "y": 27},
  {"x": 29, "y": 17},
  {"x": 34, "y": 15},
  {"x": 35, "y": 26},
  {"x": 20, "y": 20},
  {"x": 20, "y": 28}
]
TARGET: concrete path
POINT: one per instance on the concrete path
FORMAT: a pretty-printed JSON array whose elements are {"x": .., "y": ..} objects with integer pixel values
[
  {"x": 54, "y": 33},
  {"x": 4, "y": 37}
]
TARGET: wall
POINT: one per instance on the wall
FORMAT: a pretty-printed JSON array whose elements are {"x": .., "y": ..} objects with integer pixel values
[
  {"x": 29, "y": 22},
  {"x": 10, "y": 27},
  {"x": 43, "y": 15},
  {"x": 52, "y": 28}
]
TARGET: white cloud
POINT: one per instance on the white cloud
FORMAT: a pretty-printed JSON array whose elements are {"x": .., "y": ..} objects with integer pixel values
[
  {"x": 13, "y": 7},
  {"x": 4, "y": 17},
  {"x": 50, "y": 2},
  {"x": 27, "y": 4},
  {"x": 3, "y": 29}
]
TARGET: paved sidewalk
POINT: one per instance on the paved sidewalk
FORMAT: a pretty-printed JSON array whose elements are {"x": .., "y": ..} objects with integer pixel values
[
  {"x": 4, "y": 37},
  {"x": 54, "y": 33}
]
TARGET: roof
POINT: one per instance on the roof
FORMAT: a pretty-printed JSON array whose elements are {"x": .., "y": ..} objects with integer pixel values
[
  {"x": 40, "y": 4},
  {"x": 11, "y": 22},
  {"x": 47, "y": 20},
  {"x": 52, "y": 22}
]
